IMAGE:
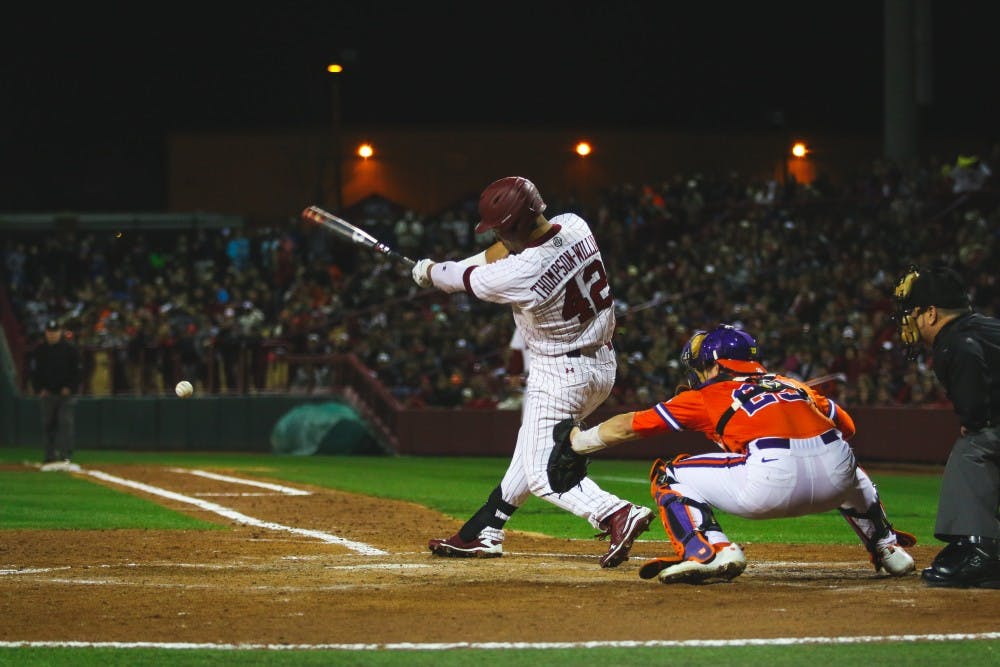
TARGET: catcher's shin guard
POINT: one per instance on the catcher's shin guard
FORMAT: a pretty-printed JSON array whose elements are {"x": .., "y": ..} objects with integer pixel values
[
  {"x": 872, "y": 526},
  {"x": 493, "y": 514},
  {"x": 684, "y": 520}
]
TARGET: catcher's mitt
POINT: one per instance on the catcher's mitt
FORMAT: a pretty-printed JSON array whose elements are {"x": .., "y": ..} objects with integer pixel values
[{"x": 566, "y": 468}]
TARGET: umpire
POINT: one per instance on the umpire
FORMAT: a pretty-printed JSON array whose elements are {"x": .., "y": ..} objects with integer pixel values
[
  {"x": 935, "y": 309},
  {"x": 56, "y": 379}
]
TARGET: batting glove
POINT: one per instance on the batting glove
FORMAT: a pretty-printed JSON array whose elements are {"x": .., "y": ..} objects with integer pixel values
[{"x": 421, "y": 273}]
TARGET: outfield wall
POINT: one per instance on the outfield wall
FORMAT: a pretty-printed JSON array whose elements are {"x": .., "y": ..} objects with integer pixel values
[
  {"x": 211, "y": 423},
  {"x": 244, "y": 423},
  {"x": 897, "y": 435}
]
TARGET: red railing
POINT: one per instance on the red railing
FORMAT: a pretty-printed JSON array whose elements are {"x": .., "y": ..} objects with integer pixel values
[
  {"x": 12, "y": 330},
  {"x": 356, "y": 384}
]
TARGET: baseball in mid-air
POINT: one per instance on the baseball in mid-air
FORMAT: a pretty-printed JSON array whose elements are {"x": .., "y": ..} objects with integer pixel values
[{"x": 184, "y": 389}]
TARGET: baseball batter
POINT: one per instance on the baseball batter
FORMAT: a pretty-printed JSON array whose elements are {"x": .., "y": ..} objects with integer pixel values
[
  {"x": 785, "y": 454},
  {"x": 552, "y": 275}
]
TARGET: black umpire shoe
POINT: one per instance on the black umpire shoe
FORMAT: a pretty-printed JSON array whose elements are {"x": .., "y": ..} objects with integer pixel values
[{"x": 969, "y": 562}]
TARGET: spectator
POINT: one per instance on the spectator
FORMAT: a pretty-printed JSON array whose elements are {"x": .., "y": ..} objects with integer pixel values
[
  {"x": 518, "y": 363},
  {"x": 409, "y": 232},
  {"x": 238, "y": 251},
  {"x": 819, "y": 263},
  {"x": 969, "y": 174},
  {"x": 56, "y": 380}
]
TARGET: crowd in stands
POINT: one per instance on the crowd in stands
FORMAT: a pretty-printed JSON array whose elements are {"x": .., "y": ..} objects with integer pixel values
[{"x": 808, "y": 268}]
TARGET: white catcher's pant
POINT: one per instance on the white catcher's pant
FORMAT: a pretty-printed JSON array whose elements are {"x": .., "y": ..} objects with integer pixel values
[
  {"x": 560, "y": 387},
  {"x": 809, "y": 477}
]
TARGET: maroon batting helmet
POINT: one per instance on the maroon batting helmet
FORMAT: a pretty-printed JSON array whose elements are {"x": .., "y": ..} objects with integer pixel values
[{"x": 508, "y": 201}]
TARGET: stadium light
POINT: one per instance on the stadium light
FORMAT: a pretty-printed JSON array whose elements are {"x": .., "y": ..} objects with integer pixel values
[{"x": 335, "y": 128}]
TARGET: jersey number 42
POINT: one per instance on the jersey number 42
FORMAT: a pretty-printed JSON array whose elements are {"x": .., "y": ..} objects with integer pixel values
[{"x": 585, "y": 306}]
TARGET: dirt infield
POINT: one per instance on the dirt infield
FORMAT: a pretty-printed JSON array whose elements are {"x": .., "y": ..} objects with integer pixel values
[{"x": 268, "y": 585}]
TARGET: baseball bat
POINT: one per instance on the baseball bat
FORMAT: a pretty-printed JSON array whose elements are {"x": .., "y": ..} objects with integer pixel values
[
  {"x": 346, "y": 230},
  {"x": 823, "y": 379}
]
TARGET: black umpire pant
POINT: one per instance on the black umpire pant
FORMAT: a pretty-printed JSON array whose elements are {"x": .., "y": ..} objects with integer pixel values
[
  {"x": 57, "y": 426},
  {"x": 970, "y": 488}
]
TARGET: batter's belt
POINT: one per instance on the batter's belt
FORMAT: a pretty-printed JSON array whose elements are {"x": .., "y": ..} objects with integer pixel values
[{"x": 588, "y": 351}]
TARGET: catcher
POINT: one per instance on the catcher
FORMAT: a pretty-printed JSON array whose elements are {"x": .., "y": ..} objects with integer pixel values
[{"x": 785, "y": 454}]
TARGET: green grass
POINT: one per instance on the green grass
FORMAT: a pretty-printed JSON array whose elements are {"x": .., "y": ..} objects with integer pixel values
[
  {"x": 926, "y": 654},
  {"x": 61, "y": 501}
]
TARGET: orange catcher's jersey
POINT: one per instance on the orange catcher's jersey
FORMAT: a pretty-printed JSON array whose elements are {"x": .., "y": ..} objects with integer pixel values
[{"x": 794, "y": 411}]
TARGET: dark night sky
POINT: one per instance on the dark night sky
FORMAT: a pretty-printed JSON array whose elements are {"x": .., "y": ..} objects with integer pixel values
[{"x": 91, "y": 93}]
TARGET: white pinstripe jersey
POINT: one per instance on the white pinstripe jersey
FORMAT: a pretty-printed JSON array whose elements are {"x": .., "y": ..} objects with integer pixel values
[{"x": 557, "y": 287}]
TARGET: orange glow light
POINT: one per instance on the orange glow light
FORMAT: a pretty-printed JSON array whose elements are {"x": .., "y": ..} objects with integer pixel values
[
  {"x": 583, "y": 149},
  {"x": 334, "y": 68},
  {"x": 366, "y": 151},
  {"x": 799, "y": 149}
]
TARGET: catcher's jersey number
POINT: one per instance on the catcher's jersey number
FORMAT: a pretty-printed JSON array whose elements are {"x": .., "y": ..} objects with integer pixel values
[{"x": 788, "y": 395}]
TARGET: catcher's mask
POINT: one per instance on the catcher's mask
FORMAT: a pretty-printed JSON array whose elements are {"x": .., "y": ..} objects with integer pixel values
[
  {"x": 689, "y": 356},
  {"x": 733, "y": 349},
  {"x": 940, "y": 287},
  {"x": 905, "y": 310}
]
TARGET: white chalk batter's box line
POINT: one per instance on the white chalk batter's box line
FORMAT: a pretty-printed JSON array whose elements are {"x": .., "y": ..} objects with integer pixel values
[
  {"x": 232, "y": 565},
  {"x": 629, "y": 480},
  {"x": 239, "y": 517},
  {"x": 258, "y": 588},
  {"x": 286, "y": 490},
  {"x": 234, "y": 495},
  {"x": 499, "y": 646},
  {"x": 36, "y": 572}
]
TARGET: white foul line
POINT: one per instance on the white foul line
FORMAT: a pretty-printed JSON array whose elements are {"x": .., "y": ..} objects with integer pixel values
[
  {"x": 287, "y": 490},
  {"x": 33, "y": 570},
  {"x": 360, "y": 547},
  {"x": 493, "y": 646}
]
